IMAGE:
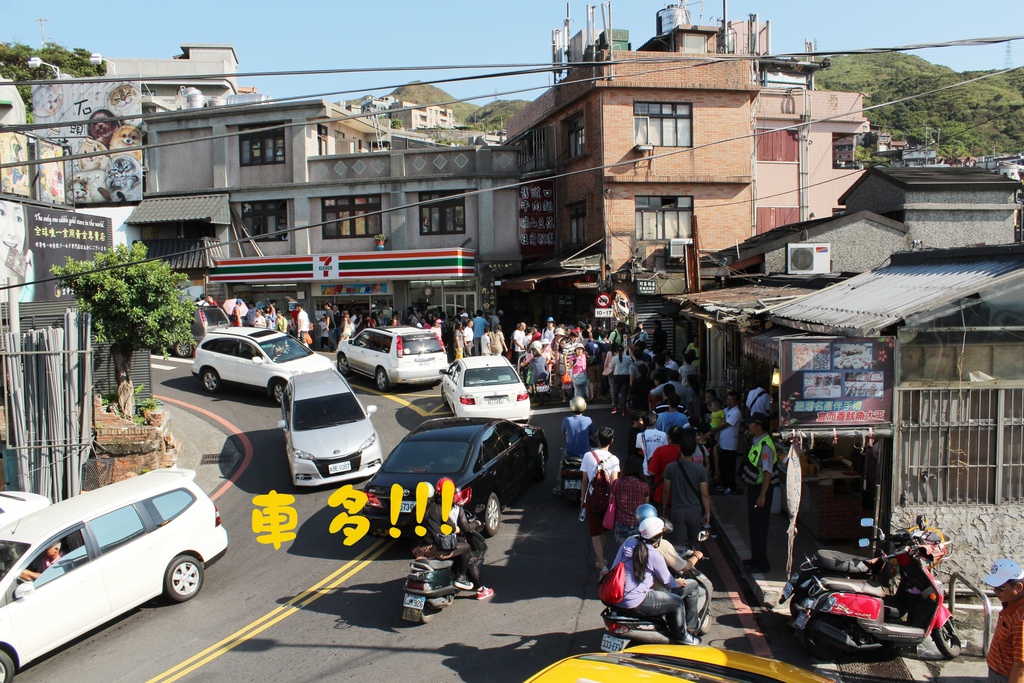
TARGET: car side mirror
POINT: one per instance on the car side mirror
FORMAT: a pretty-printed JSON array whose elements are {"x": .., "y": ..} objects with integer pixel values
[
  {"x": 371, "y": 409},
  {"x": 258, "y": 360},
  {"x": 281, "y": 424},
  {"x": 24, "y": 590},
  {"x": 442, "y": 372}
]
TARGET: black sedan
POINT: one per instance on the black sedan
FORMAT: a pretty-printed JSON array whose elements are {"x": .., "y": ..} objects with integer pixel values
[{"x": 490, "y": 461}]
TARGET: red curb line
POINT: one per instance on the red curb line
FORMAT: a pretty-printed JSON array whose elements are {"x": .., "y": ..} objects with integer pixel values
[
  {"x": 742, "y": 609},
  {"x": 235, "y": 431}
]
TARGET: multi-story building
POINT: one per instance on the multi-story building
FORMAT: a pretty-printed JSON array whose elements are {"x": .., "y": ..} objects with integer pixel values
[
  {"x": 414, "y": 116},
  {"x": 243, "y": 178},
  {"x": 179, "y": 77}
]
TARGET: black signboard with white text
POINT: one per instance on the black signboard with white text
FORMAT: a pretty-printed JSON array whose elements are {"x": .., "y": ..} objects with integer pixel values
[{"x": 53, "y": 236}]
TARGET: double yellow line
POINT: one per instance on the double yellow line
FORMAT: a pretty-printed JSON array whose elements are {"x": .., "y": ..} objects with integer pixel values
[{"x": 324, "y": 587}]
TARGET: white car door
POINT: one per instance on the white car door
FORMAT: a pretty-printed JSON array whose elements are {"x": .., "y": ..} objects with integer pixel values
[
  {"x": 449, "y": 385},
  {"x": 255, "y": 374},
  {"x": 67, "y": 599},
  {"x": 131, "y": 562},
  {"x": 356, "y": 351}
]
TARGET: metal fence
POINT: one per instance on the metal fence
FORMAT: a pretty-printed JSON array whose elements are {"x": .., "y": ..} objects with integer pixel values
[{"x": 961, "y": 445}]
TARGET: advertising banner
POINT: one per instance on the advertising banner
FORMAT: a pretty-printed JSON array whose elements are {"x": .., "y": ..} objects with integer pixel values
[
  {"x": 53, "y": 236},
  {"x": 836, "y": 381},
  {"x": 91, "y": 113},
  {"x": 354, "y": 288},
  {"x": 50, "y": 177},
  {"x": 14, "y": 148},
  {"x": 537, "y": 218}
]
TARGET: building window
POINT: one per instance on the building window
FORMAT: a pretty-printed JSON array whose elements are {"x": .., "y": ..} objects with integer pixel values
[
  {"x": 266, "y": 220},
  {"x": 261, "y": 148},
  {"x": 578, "y": 223},
  {"x": 445, "y": 216},
  {"x": 662, "y": 124},
  {"x": 532, "y": 150},
  {"x": 777, "y": 145},
  {"x": 843, "y": 151},
  {"x": 322, "y": 140},
  {"x": 347, "y": 217},
  {"x": 575, "y": 134},
  {"x": 663, "y": 218}
]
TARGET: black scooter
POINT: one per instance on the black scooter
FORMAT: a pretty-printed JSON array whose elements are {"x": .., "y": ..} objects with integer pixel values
[
  {"x": 430, "y": 584},
  {"x": 622, "y": 627},
  {"x": 572, "y": 478}
]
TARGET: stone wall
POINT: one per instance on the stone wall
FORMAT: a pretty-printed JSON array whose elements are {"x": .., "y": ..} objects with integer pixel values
[
  {"x": 123, "y": 449},
  {"x": 981, "y": 534}
]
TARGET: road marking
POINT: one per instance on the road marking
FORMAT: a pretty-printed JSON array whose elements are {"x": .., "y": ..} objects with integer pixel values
[
  {"x": 277, "y": 615},
  {"x": 397, "y": 399},
  {"x": 163, "y": 367},
  {"x": 741, "y": 608},
  {"x": 235, "y": 431},
  {"x": 183, "y": 361}
]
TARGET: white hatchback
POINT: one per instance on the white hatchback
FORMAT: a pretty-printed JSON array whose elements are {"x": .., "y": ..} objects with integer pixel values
[
  {"x": 254, "y": 357},
  {"x": 393, "y": 355},
  {"x": 328, "y": 434},
  {"x": 77, "y": 564},
  {"x": 485, "y": 386}
]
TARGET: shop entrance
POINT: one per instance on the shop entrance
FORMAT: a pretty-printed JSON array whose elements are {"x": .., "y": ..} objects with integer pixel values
[{"x": 453, "y": 301}]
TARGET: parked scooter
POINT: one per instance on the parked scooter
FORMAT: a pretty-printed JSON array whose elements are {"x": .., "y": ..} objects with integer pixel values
[
  {"x": 621, "y": 627},
  {"x": 841, "y": 615},
  {"x": 430, "y": 584}
]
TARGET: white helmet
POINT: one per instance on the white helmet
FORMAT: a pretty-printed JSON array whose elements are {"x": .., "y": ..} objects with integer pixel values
[{"x": 651, "y": 528}]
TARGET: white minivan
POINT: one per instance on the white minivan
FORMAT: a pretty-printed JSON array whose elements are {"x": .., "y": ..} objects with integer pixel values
[{"x": 81, "y": 562}]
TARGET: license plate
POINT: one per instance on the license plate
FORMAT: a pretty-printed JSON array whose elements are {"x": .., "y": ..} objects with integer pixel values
[
  {"x": 424, "y": 359},
  {"x": 802, "y": 619},
  {"x": 572, "y": 484},
  {"x": 787, "y": 590},
  {"x": 495, "y": 400},
  {"x": 610, "y": 643},
  {"x": 414, "y": 601},
  {"x": 408, "y": 505},
  {"x": 339, "y": 467}
]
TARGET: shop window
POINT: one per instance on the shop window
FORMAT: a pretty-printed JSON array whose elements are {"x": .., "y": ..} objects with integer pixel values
[
  {"x": 351, "y": 217},
  {"x": 261, "y": 147},
  {"x": 663, "y": 218},
  {"x": 778, "y": 145},
  {"x": 662, "y": 124},
  {"x": 444, "y": 215},
  {"x": 578, "y": 223},
  {"x": 266, "y": 220},
  {"x": 576, "y": 135}
]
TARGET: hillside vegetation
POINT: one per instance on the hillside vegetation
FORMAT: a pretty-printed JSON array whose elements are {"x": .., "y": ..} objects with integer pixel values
[
  {"x": 975, "y": 119},
  {"x": 490, "y": 117}
]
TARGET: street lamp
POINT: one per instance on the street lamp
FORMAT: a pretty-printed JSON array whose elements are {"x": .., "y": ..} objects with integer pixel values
[{"x": 35, "y": 63}]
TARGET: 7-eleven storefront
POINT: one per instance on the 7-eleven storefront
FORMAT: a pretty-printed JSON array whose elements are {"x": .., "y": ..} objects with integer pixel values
[{"x": 373, "y": 280}]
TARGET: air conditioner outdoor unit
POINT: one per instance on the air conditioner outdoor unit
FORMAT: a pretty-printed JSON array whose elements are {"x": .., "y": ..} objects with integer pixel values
[
  {"x": 806, "y": 258},
  {"x": 677, "y": 247}
]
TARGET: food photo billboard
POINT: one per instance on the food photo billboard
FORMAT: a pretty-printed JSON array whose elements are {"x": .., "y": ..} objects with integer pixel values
[
  {"x": 96, "y": 118},
  {"x": 836, "y": 381}
]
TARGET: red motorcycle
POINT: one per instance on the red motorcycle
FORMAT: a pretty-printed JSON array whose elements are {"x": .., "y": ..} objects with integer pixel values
[{"x": 851, "y": 615}]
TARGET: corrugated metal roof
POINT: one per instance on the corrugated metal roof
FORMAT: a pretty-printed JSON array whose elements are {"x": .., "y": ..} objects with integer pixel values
[
  {"x": 736, "y": 299},
  {"x": 869, "y": 303},
  {"x": 186, "y": 254},
  {"x": 212, "y": 208}
]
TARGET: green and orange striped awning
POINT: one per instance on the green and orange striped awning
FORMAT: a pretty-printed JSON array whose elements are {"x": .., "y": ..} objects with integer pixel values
[{"x": 376, "y": 265}]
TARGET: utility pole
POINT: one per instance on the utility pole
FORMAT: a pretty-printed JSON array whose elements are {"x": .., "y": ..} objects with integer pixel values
[
  {"x": 42, "y": 30},
  {"x": 1008, "y": 62}
]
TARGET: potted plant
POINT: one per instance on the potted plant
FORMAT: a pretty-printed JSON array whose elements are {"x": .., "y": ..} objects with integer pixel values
[{"x": 380, "y": 239}]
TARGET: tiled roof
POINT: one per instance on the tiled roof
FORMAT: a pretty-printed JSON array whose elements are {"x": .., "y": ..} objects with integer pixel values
[
  {"x": 212, "y": 208},
  {"x": 186, "y": 254}
]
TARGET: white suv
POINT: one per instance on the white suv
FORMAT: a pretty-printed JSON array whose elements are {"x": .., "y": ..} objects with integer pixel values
[
  {"x": 394, "y": 355},
  {"x": 254, "y": 357}
]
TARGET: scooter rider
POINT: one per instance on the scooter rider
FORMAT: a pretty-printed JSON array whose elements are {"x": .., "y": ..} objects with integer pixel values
[
  {"x": 465, "y": 556},
  {"x": 578, "y": 430},
  {"x": 641, "y": 568},
  {"x": 677, "y": 564}
]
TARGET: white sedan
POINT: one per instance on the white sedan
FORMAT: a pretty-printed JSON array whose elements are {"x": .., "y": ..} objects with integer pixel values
[{"x": 485, "y": 386}]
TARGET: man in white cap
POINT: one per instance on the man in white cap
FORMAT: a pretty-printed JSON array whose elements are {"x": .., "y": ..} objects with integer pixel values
[{"x": 1006, "y": 653}]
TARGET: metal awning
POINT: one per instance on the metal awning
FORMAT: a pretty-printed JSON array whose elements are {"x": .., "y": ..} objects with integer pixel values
[
  {"x": 210, "y": 208},
  {"x": 528, "y": 283}
]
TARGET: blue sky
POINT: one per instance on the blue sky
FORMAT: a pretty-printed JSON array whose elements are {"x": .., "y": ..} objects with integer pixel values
[{"x": 305, "y": 35}]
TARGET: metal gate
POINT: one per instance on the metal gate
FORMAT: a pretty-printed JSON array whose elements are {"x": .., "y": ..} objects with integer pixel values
[
  {"x": 648, "y": 309},
  {"x": 960, "y": 445}
]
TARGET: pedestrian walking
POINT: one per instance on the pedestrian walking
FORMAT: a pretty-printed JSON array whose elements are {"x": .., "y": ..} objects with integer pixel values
[
  {"x": 620, "y": 362},
  {"x": 629, "y": 492},
  {"x": 685, "y": 494},
  {"x": 1006, "y": 653}
]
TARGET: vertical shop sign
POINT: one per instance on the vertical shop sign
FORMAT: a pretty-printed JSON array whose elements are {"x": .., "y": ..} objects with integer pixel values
[{"x": 537, "y": 218}]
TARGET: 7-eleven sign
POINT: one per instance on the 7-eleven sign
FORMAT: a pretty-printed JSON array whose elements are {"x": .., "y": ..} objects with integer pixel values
[{"x": 326, "y": 267}]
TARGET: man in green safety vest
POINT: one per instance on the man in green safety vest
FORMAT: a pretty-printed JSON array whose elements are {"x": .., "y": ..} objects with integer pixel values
[{"x": 757, "y": 475}]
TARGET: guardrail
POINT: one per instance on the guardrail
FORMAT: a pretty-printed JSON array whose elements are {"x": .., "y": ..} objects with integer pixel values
[{"x": 986, "y": 606}]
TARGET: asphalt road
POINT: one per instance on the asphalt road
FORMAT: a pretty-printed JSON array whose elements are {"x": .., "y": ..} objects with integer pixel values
[{"x": 317, "y": 610}]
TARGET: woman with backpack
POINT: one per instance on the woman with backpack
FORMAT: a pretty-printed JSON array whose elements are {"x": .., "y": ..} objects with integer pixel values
[{"x": 600, "y": 469}]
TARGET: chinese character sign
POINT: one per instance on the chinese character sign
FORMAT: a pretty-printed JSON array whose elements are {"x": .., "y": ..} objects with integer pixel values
[
  {"x": 836, "y": 381},
  {"x": 52, "y": 236},
  {"x": 537, "y": 218},
  {"x": 85, "y": 116}
]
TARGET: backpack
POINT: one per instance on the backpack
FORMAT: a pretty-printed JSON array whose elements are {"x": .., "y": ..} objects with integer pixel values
[{"x": 600, "y": 489}]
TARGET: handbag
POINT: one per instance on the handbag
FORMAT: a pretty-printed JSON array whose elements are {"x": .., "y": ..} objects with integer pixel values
[
  {"x": 566, "y": 378},
  {"x": 609, "y": 515},
  {"x": 446, "y": 543},
  {"x": 579, "y": 379},
  {"x": 612, "y": 587}
]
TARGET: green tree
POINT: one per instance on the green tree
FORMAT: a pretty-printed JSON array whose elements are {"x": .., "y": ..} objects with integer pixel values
[
  {"x": 397, "y": 124},
  {"x": 135, "y": 305},
  {"x": 14, "y": 65}
]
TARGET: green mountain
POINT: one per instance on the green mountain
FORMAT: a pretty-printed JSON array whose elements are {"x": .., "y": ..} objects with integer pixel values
[
  {"x": 424, "y": 93},
  {"x": 975, "y": 118},
  {"x": 494, "y": 115}
]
